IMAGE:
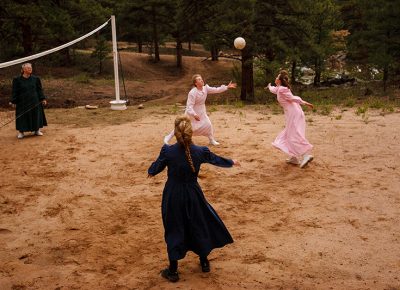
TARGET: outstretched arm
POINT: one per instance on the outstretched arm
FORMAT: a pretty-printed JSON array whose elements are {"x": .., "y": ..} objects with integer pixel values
[
  {"x": 220, "y": 89},
  {"x": 296, "y": 99},
  {"x": 272, "y": 89},
  {"x": 158, "y": 165},
  {"x": 214, "y": 159}
]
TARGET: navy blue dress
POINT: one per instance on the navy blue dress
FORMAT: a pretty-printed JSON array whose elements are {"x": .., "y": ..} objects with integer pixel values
[
  {"x": 27, "y": 94},
  {"x": 190, "y": 222}
]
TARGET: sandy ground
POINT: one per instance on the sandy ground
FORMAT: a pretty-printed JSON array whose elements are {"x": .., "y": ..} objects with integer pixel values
[{"x": 77, "y": 211}]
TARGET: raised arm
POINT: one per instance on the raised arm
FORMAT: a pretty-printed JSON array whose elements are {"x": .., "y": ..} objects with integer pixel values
[
  {"x": 216, "y": 90},
  {"x": 160, "y": 164},
  {"x": 272, "y": 89}
]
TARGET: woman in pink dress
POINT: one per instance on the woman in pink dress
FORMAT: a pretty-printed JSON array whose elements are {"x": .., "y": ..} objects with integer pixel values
[
  {"x": 292, "y": 139},
  {"x": 196, "y": 108}
]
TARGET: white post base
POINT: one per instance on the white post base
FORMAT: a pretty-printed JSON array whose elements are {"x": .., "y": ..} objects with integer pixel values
[{"x": 118, "y": 105}]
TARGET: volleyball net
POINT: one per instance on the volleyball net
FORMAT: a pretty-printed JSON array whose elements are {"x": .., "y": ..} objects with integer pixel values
[{"x": 35, "y": 56}]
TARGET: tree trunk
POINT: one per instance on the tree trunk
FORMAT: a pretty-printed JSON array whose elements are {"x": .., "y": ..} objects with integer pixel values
[
  {"x": 247, "y": 90},
  {"x": 27, "y": 39},
  {"x": 178, "y": 53},
  {"x": 385, "y": 76},
  {"x": 67, "y": 56},
  {"x": 317, "y": 78},
  {"x": 155, "y": 36},
  {"x": 293, "y": 77},
  {"x": 214, "y": 53},
  {"x": 140, "y": 46}
]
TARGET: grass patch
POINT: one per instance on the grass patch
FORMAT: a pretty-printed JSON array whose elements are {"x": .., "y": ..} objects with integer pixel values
[
  {"x": 325, "y": 110},
  {"x": 212, "y": 109},
  {"x": 239, "y": 104},
  {"x": 81, "y": 78},
  {"x": 361, "y": 110}
]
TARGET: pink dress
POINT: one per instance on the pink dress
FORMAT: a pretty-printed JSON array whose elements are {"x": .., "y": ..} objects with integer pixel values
[
  {"x": 292, "y": 139},
  {"x": 195, "y": 105}
]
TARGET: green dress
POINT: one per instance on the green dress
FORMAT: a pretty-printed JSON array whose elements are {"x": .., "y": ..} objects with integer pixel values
[{"x": 27, "y": 95}]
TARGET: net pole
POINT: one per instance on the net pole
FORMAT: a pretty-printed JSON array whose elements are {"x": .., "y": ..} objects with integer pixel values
[{"x": 117, "y": 104}]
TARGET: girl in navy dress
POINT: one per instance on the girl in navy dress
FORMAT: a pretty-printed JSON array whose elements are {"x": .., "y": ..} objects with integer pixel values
[{"x": 190, "y": 222}]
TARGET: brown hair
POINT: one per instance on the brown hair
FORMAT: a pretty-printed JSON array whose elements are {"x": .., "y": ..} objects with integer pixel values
[
  {"x": 183, "y": 134},
  {"x": 284, "y": 78},
  {"x": 194, "y": 77}
]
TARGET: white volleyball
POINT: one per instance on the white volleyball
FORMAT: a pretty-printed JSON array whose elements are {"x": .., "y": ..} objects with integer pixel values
[{"x": 239, "y": 43}]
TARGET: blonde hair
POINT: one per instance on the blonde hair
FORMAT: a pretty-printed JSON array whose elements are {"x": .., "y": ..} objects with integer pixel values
[
  {"x": 194, "y": 77},
  {"x": 183, "y": 134}
]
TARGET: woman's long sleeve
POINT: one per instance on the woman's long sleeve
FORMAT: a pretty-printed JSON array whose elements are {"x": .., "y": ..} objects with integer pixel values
[
  {"x": 216, "y": 90},
  {"x": 214, "y": 159},
  {"x": 160, "y": 164},
  {"x": 290, "y": 97},
  {"x": 40, "y": 90},
  {"x": 273, "y": 89}
]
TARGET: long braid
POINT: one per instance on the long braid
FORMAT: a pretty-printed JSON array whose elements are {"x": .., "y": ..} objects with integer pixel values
[
  {"x": 189, "y": 157},
  {"x": 183, "y": 134}
]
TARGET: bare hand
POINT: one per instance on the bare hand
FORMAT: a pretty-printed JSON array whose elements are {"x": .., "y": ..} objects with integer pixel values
[
  {"x": 236, "y": 163},
  {"x": 44, "y": 102},
  {"x": 232, "y": 85},
  {"x": 11, "y": 104},
  {"x": 310, "y": 105},
  {"x": 196, "y": 117}
]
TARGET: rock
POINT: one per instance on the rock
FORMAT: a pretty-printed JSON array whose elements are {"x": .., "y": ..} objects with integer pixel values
[
  {"x": 90, "y": 107},
  {"x": 141, "y": 106}
]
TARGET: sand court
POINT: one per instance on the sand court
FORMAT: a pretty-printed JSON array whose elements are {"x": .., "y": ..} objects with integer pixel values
[{"x": 74, "y": 215}]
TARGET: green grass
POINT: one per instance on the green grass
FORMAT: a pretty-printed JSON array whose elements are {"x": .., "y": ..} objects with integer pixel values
[{"x": 82, "y": 78}]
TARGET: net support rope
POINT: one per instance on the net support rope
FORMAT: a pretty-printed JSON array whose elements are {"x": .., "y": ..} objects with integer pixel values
[{"x": 28, "y": 58}]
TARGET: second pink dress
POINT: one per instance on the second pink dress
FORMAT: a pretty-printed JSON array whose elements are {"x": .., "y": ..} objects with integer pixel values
[{"x": 292, "y": 139}]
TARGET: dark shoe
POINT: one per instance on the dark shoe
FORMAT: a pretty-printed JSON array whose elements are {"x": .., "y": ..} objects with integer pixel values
[
  {"x": 205, "y": 266},
  {"x": 167, "y": 274}
]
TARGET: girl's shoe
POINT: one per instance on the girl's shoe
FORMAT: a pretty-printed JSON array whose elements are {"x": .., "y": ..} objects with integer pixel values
[
  {"x": 214, "y": 142},
  {"x": 167, "y": 274},
  {"x": 306, "y": 159},
  {"x": 293, "y": 160}
]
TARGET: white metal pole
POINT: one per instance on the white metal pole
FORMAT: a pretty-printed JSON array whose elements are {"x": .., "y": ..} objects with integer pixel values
[
  {"x": 117, "y": 104},
  {"x": 115, "y": 56}
]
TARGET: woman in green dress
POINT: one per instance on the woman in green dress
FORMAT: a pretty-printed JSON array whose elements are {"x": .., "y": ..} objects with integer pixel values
[{"x": 28, "y": 98}]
